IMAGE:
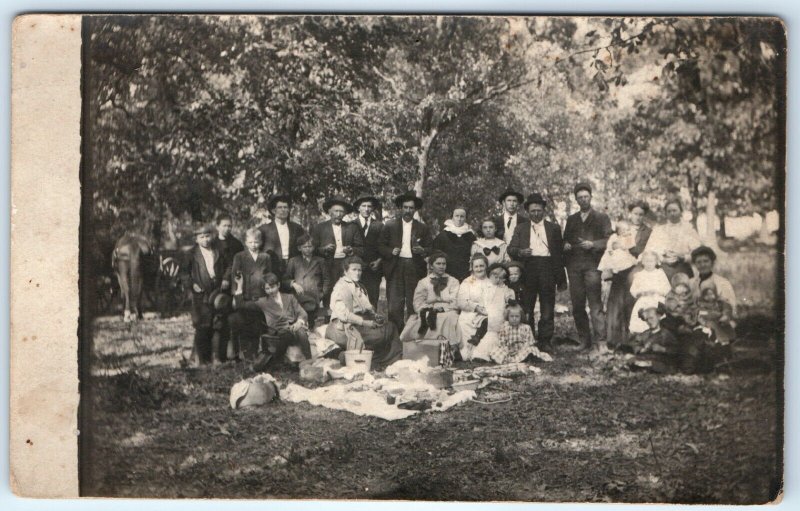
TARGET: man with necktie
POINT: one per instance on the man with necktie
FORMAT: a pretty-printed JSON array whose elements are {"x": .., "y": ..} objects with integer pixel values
[
  {"x": 507, "y": 221},
  {"x": 371, "y": 231},
  {"x": 537, "y": 243}
]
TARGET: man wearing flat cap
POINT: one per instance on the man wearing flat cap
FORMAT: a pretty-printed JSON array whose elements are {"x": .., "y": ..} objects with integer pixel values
[
  {"x": 280, "y": 236},
  {"x": 507, "y": 221},
  {"x": 585, "y": 238},
  {"x": 205, "y": 266},
  {"x": 334, "y": 240},
  {"x": 538, "y": 245},
  {"x": 404, "y": 243},
  {"x": 370, "y": 228}
]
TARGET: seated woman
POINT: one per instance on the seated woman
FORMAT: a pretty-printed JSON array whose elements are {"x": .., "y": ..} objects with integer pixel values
[
  {"x": 435, "y": 305},
  {"x": 470, "y": 301},
  {"x": 704, "y": 258},
  {"x": 283, "y": 323},
  {"x": 354, "y": 323},
  {"x": 495, "y": 295}
]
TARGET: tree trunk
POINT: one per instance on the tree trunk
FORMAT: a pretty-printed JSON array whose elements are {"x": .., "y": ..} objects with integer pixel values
[{"x": 422, "y": 161}]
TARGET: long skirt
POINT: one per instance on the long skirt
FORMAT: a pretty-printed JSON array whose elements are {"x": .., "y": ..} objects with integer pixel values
[
  {"x": 619, "y": 307},
  {"x": 382, "y": 340},
  {"x": 446, "y": 326}
]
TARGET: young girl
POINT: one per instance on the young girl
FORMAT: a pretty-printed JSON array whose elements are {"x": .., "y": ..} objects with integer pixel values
[
  {"x": 517, "y": 284},
  {"x": 515, "y": 339},
  {"x": 617, "y": 256},
  {"x": 490, "y": 246},
  {"x": 649, "y": 286},
  {"x": 496, "y": 296},
  {"x": 714, "y": 313}
]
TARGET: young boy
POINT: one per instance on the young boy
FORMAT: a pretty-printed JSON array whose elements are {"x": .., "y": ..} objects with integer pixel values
[
  {"x": 517, "y": 284},
  {"x": 308, "y": 277},
  {"x": 205, "y": 266}
]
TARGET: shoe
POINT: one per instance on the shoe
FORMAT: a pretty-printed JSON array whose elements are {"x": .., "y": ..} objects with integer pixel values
[
  {"x": 261, "y": 362},
  {"x": 545, "y": 346}
]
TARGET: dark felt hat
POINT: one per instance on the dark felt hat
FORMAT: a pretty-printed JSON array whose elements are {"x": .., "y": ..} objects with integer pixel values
[
  {"x": 492, "y": 267},
  {"x": 273, "y": 201},
  {"x": 220, "y": 300},
  {"x": 508, "y": 192},
  {"x": 583, "y": 185},
  {"x": 704, "y": 251},
  {"x": 376, "y": 202},
  {"x": 409, "y": 195},
  {"x": 515, "y": 264},
  {"x": 534, "y": 198},
  {"x": 337, "y": 200}
]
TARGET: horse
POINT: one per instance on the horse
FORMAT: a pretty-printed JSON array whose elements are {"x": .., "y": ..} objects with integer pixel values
[{"x": 131, "y": 255}]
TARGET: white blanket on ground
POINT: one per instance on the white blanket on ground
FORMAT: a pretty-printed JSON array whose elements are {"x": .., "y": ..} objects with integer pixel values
[{"x": 368, "y": 397}]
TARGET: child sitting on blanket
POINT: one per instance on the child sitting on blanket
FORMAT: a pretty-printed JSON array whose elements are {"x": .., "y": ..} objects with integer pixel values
[
  {"x": 515, "y": 341},
  {"x": 617, "y": 256}
]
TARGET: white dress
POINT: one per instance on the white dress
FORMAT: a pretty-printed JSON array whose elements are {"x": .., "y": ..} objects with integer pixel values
[
  {"x": 470, "y": 295},
  {"x": 495, "y": 300},
  {"x": 494, "y": 256},
  {"x": 649, "y": 287},
  {"x": 618, "y": 259}
]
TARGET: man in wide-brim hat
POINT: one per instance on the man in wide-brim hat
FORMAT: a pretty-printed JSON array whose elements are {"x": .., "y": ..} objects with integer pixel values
[
  {"x": 370, "y": 227},
  {"x": 537, "y": 243},
  {"x": 334, "y": 239},
  {"x": 507, "y": 221},
  {"x": 404, "y": 243},
  {"x": 279, "y": 237}
]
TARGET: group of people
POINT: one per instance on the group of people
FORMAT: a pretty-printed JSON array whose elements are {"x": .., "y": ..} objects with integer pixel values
[{"x": 476, "y": 293}]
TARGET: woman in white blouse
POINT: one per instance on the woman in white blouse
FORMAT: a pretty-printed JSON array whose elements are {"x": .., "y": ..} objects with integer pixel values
[
  {"x": 435, "y": 304},
  {"x": 354, "y": 323},
  {"x": 674, "y": 240}
]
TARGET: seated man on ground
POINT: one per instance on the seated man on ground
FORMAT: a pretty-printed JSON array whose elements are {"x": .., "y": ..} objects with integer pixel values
[{"x": 283, "y": 323}]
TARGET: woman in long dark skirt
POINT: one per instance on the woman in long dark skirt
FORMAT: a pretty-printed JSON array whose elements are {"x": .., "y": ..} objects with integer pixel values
[{"x": 620, "y": 301}]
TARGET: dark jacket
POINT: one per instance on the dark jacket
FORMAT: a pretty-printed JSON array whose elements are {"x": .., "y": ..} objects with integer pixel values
[
  {"x": 230, "y": 246},
  {"x": 642, "y": 235},
  {"x": 194, "y": 268},
  {"x": 458, "y": 250},
  {"x": 322, "y": 234},
  {"x": 597, "y": 229},
  {"x": 392, "y": 237},
  {"x": 271, "y": 240},
  {"x": 555, "y": 244},
  {"x": 501, "y": 228},
  {"x": 313, "y": 275},
  {"x": 252, "y": 271},
  {"x": 371, "y": 239}
]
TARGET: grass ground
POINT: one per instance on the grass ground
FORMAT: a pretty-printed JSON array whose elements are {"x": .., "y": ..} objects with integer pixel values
[{"x": 584, "y": 429}]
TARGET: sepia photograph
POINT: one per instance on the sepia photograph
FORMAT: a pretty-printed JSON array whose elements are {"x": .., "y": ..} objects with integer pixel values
[{"x": 436, "y": 258}]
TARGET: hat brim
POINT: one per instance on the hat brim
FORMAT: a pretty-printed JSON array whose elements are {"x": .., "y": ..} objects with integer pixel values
[
  {"x": 518, "y": 195},
  {"x": 328, "y": 204},
  {"x": 398, "y": 201}
]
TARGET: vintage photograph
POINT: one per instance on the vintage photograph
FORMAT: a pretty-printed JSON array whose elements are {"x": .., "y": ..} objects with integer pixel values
[{"x": 445, "y": 258}]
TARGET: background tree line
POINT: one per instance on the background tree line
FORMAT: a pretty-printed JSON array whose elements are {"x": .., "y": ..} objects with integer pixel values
[{"x": 191, "y": 115}]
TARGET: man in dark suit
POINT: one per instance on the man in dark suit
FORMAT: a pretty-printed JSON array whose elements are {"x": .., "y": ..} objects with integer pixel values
[
  {"x": 585, "y": 238},
  {"x": 334, "y": 240},
  {"x": 538, "y": 245},
  {"x": 508, "y": 220},
  {"x": 404, "y": 243},
  {"x": 226, "y": 242},
  {"x": 205, "y": 266},
  {"x": 280, "y": 235},
  {"x": 371, "y": 231}
]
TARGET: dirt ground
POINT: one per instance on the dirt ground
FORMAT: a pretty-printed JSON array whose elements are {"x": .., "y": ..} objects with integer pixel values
[{"x": 584, "y": 429}]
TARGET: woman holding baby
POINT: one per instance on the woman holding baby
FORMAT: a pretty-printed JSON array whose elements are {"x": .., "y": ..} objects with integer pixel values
[{"x": 629, "y": 241}]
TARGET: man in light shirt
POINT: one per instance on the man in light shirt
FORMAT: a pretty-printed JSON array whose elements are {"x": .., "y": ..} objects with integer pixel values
[
  {"x": 334, "y": 240},
  {"x": 537, "y": 243},
  {"x": 280, "y": 235},
  {"x": 511, "y": 217},
  {"x": 404, "y": 243}
]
